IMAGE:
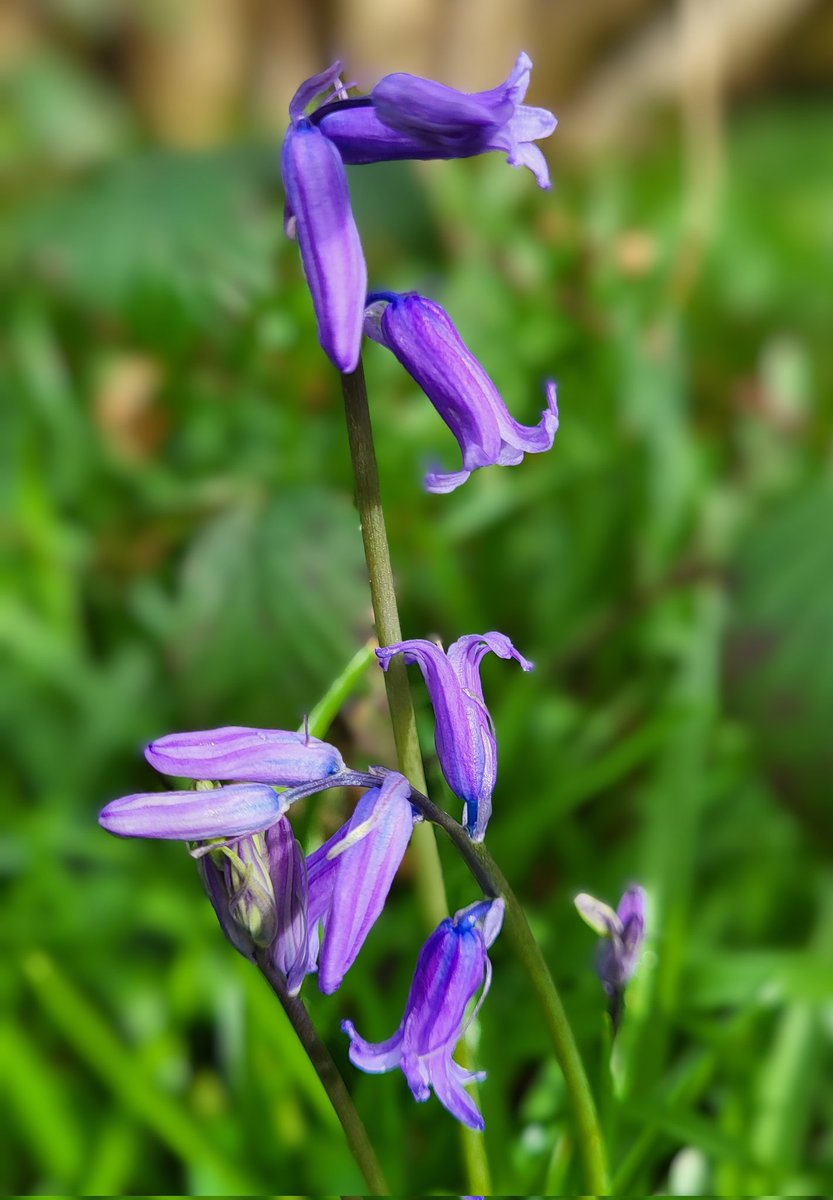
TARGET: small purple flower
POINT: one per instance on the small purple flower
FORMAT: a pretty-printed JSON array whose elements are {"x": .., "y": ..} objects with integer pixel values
[
  {"x": 623, "y": 933},
  {"x": 320, "y": 215},
  {"x": 351, "y": 874},
  {"x": 409, "y": 117},
  {"x": 452, "y": 967},
  {"x": 464, "y": 735},
  {"x": 422, "y": 336},
  {"x": 276, "y": 756}
]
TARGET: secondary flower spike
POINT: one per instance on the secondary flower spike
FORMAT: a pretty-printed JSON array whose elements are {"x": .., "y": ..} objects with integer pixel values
[
  {"x": 409, "y": 117},
  {"x": 452, "y": 967},
  {"x": 422, "y": 336},
  {"x": 319, "y": 214},
  {"x": 464, "y": 735},
  {"x": 623, "y": 933}
]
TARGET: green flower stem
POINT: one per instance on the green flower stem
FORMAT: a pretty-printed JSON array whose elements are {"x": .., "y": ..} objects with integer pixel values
[
  {"x": 331, "y": 1080},
  {"x": 516, "y": 929},
  {"x": 430, "y": 884}
]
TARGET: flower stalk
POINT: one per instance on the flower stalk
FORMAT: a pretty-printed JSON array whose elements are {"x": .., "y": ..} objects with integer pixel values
[
  {"x": 430, "y": 885},
  {"x": 331, "y": 1080}
]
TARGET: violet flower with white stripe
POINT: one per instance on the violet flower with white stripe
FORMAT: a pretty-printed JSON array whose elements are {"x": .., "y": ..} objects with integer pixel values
[
  {"x": 464, "y": 735},
  {"x": 424, "y": 339},
  {"x": 452, "y": 967},
  {"x": 408, "y": 117},
  {"x": 351, "y": 874},
  {"x": 319, "y": 213}
]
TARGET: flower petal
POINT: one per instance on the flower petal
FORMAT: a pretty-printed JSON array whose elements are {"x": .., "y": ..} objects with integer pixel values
[
  {"x": 313, "y": 87},
  {"x": 318, "y": 195},
  {"x": 364, "y": 875},
  {"x": 195, "y": 816},
  {"x": 237, "y": 752}
]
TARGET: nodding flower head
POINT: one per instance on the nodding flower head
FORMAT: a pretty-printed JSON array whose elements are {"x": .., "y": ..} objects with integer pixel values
[
  {"x": 622, "y": 933},
  {"x": 408, "y": 117},
  {"x": 464, "y": 734},
  {"x": 422, "y": 336},
  {"x": 452, "y": 967}
]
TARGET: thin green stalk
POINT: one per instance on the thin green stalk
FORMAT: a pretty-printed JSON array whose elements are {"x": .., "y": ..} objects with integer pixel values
[
  {"x": 332, "y": 1082},
  {"x": 430, "y": 884}
]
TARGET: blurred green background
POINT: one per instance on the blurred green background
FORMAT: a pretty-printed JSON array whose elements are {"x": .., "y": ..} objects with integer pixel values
[{"x": 181, "y": 551}]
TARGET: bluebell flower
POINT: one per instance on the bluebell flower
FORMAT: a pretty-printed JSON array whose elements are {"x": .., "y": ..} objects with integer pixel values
[
  {"x": 350, "y": 876},
  {"x": 408, "y": 117},
  {"x": 464, "y": 735},
  {"x": 277, "y": 756},
  {"x": 452, "y": 967},
  {"x": 257, "y": 756},
  {"x": 223, "y": 812},
  {"x": 319, "y": 214},
  {"x": 622, "y": 933},
  {"x": 422, "y": 336}
]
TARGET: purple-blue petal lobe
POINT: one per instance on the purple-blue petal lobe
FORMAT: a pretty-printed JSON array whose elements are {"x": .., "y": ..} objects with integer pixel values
[
  {"x": 192, "y": 816},
  {"x": 290, "y": 952},
  {"x": 237, "y": 752},
  {"x": 318, "y": 196},
  {"x": 313, "y": 87}
]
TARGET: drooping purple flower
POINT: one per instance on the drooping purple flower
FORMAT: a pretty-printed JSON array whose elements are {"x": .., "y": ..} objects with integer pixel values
[
  {"x": 276, "y": 756},
  {"x": 452, "y": 967},
  {"x": 622, "y": 933},
  {"x": 422, "y": 336},
  {"x": 464, "y": 735},
  {"x": 350, "y": 876},
  {"x": 320, "y": 215},
  {"x": 409, "y": 117}
]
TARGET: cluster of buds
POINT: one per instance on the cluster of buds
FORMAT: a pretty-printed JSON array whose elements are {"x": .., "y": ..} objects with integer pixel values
[{"x": 301, "y": 915}]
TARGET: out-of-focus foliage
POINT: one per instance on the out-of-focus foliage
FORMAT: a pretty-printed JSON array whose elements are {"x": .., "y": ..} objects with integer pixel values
[{"x": 182, "y": 551}]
